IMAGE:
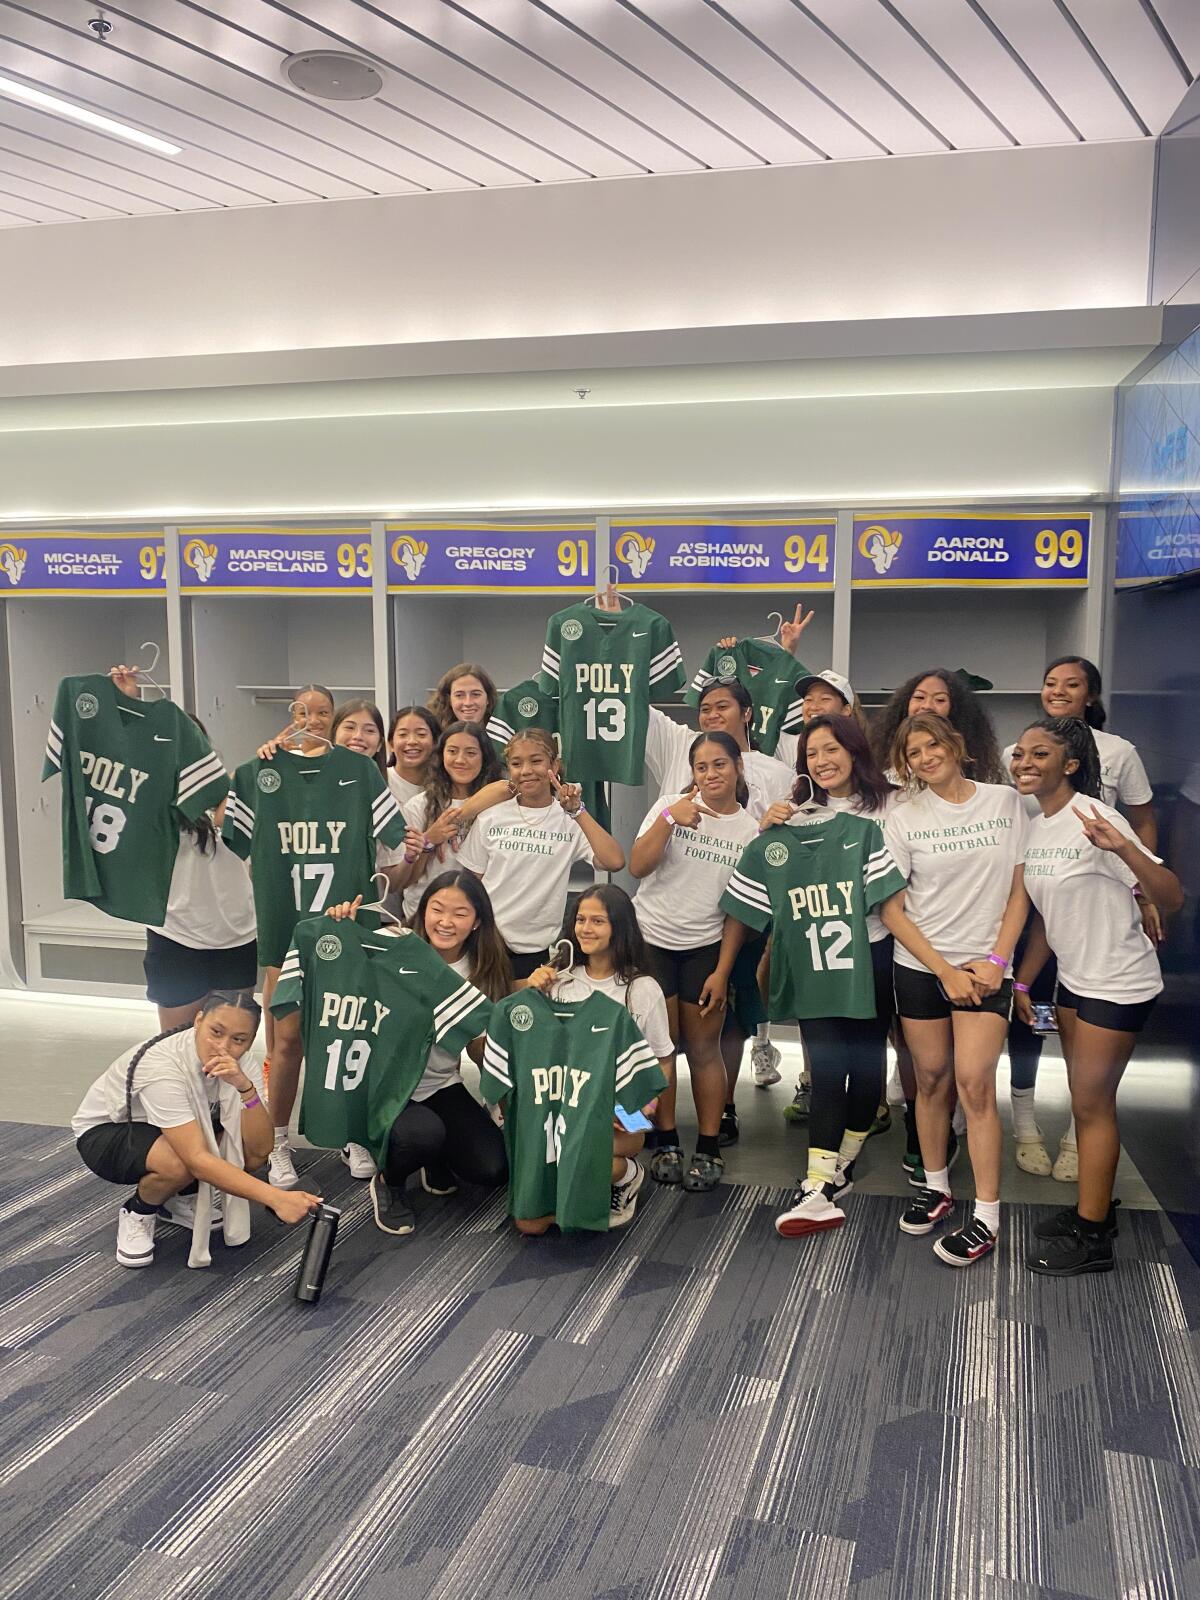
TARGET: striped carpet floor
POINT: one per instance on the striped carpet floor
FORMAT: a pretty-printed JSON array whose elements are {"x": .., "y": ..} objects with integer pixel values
[{"x": 691, "y": 1408}]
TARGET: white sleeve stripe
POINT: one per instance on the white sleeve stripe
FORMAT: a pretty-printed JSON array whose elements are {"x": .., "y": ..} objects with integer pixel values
[
  {"x": 238, "y": 807},
  {"x": 54, "y": 758},
  {"x": 667, "y": 668},
  {"x": 550, "y": 666},
  {"x": 187, "y": 791},
  {"x": 671, "y": 653},
  {"x": 242, "y": 825},
  {"x": 746, "y": 890},
  {"x": 385, "y": 801},
  {"x": 470, "y": 1002},
  {"x": 55, "y": 735},
  {"x": 702, "y": 679},
  {"x": 209, "y": 763},
  {"x": 638, "y": 1054},
  {"x": 637, "y": 1045},
  {"x": 549, "y": 650},
  {"x": 54, "y": 728},
  {"x": 499, "y": 730},
  {"x": 495, "y": 1062},
  {"x": 453, "y": 999}
]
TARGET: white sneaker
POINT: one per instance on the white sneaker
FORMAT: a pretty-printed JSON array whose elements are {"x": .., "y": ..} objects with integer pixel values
[
  {"x": 135, "y": 1237},
  {"x": 764, "y": 1063},
  {"x": 358, "y": 1158},
  {"x": 1066, "y": 1163},
  {"x": 180, "y": 1210},
  {"x": 283, "y": 1174},
  {"x": 812, "y": 1212},
  {"x": 624, "y": 1197}
]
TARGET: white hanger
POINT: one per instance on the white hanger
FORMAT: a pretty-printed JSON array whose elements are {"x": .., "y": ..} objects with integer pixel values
[
  {"x": 812, "y": 809},
  {"x": 772, "y": 638},
  {"x": 612, "y": 577},
  {"x": 378, "y": 905},
  {"x": 555, "y": 955},
  {"x": 296, "y": 710},
  {"x": 145, "y": 672}
]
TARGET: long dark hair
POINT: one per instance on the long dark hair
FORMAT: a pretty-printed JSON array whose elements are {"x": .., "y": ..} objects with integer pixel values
[
  {"x": 1075, "y": 737},
  {"x": 730, "y": 746},
  {"x": 202, "y": 829},
  {"x": 1094, "y": 713},
  {"x": 239, "y": 999},
  {"x": 966, "y": 714},
  {"x": 439, "y": 700},
  {"x": 347, "y": 709},
  {"x": 627, "y": 947},
  {"x": 741, "y": 694},
  {"x": 426, "y": 716},
  {"x": 870, "y": 785},
  {"x": 438, "y": 787},
  {"x": 487, "y": 958}
]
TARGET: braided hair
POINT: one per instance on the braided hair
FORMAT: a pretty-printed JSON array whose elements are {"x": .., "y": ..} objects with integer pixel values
[
  {"x": 1075, "y": 737},
  {"x": 239, "y": 999}
]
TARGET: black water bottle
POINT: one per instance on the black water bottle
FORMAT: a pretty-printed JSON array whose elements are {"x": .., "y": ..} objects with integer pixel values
[{"x": 314, "y": 1263}]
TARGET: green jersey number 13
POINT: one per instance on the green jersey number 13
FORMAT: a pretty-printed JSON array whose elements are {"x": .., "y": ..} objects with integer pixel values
[{"x": 612, "y": 711}]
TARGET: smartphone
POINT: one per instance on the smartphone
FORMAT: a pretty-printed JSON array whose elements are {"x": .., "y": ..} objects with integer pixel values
[
  {"x": 1044, "y": 1018},
  {"x": 632, "y": 1121}
]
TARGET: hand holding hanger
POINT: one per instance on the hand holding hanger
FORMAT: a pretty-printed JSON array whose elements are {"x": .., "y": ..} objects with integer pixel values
[{"x": 125, "y": 681}]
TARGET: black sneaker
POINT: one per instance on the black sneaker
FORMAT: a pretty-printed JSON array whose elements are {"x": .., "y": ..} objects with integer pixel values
[
  {"x": 928, "y": 1208},
  {"x": 729, "y": 1132},
  {"x": 1064, "y": 1223},
  {"x": 966, "y": 1245},
  {"x": 438, "y": 1180},
  {"x": 843, "y": 1182},
  {"x": 1068, "y": 1255},
  {"x": 392, "y": 1211}
]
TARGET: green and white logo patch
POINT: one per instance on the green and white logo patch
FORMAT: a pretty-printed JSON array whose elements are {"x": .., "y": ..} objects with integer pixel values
[
  {"x": 86, "y": 706},
  {"x": 521, "y": 1018},
  {"x": 572, "y": 629},
  {"x": 528, "y": 706},
  {"x": 776, "y": 854},
  {"x": 269, "y": 781},
  {"x": 328, "y": 947},
  {"x": 726, "y": 667}
]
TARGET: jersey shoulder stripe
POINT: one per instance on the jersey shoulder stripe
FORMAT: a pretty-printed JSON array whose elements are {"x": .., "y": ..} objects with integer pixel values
[
  {"x": 498, "y": 731},
  {"x": 638, "y": 1058},
  {"x": 199, "y": 775},
  {"x": 54, "y": 747},
  {"x": 748, "y": 890},
  {"x": 240, "y": 815},
  {"x": 496, "y": 1062},
  {"x": 455, "y": 1009}
]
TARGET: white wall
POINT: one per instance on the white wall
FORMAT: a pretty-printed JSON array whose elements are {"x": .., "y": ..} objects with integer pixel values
[
  {"x": 1011, "y": 444},
  {"x": 968, "y": 233}
]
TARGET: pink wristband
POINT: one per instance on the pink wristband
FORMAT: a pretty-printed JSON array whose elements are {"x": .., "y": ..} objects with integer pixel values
[
  {"x": 665, "y": 814},
  {"x": 1021, "y": 988},
  {"x": 997, "y": 961}
]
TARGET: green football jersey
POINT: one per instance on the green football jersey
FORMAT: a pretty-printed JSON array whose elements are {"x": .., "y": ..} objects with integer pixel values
[
  {"x": 559, "y": 1068},
  {"x": 373, "y": 1004},
  {"x": 130, "y": 768},
  {"x": 605, "y": 667},
  {"x": 813, "y": 883},
  {"x": 768, "y": 674},
  {"x": 309, "y": 826},
  {"x": 526, "y": 706}
]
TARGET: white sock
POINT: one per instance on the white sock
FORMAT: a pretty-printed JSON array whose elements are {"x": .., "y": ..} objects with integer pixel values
[
  {"x": 1068, "y": 1138},
  {"x": 988, "y": 1212},
  {"x": 822, "y": 1165},
  {"x": 631, "y": 1167},
  {"x": 850, "y": 1148},
  {"x": 281, "y": 1137},
  {"x": 938, "y": 1180},
  {"x": 1024, "y": 1120}
]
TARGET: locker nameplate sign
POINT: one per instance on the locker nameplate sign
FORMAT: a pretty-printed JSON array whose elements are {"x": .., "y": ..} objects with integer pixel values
[
  {"x": 754, "y": 553},
  {"x": 482, "y": 557},
  {"x": 311, "y": 561},
  {"x": 969, "y": 549},
  {"x": 1157, "y": 539},
  {"x": 82, "y": 565}
]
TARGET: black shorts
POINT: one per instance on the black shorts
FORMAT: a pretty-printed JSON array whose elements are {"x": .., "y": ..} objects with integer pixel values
[
  {"x": 747, "y": 1009},
  {"x": 1106, "y": 1013},
  {"x": 682, "y": 973},
  {"x": 117, "y": 1151},
  {"x": 176, "y": 974},
  {"x": 919, "y": 998},
  {"x": 523, "y": 962}
]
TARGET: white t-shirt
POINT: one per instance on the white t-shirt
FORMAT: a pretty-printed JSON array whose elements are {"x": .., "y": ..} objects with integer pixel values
[
  {"x": 160, "y": 1093},
  {"x": 667, "y": 746},
  {"x": 678, "y": 905},
  {"x": 524, "y": 855},
  {"x": 642, "y": 998},
  {"x": 211, "y": 903},
  {"x": 852, "y": 803},
  {"x": 442, "y": 1069},
  {"x": 1085, "y": 896},
  {"x": 959, "y": 862},
  {"x": 1122, "y": 774},
  {"x": 401, "y": 788}
]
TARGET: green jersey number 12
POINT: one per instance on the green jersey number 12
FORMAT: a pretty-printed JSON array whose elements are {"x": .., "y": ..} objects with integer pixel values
[{"x": 837, "y": 935}]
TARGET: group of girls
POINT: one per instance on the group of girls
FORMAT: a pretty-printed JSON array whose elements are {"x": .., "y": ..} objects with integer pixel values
[{"x": 483, "y": 876}]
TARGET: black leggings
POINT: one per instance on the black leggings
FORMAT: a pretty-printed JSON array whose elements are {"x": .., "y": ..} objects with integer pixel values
[
  {"x": 449, "y": 1129},
  {"x": 848, "y": 1056}
]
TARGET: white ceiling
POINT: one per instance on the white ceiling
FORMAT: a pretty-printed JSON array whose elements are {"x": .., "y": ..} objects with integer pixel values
[{"x": 484, "y": 93}]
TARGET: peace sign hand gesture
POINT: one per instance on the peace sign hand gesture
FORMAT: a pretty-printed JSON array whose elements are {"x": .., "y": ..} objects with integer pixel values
[
  {"x": 568, "y": 795},
  {"x": 789, "y": 632},
  {"x": 687, "y": 810},
  {"x": 1098, "y": 830}
]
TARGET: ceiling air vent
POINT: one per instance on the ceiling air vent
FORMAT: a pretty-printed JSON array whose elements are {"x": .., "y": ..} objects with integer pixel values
[{"x": 332, "y": 75}]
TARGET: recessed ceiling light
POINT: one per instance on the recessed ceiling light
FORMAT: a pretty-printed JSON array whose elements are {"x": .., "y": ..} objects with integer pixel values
[
  {"x": 332, "y": 75},
  {"x": 91, "y": 119}
]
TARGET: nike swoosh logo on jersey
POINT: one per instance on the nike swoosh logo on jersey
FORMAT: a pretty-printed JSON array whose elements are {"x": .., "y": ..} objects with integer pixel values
[
  {"x": 162, "y": 738},
  {"x": 595, "y": 1029},
  {"x": 342, "y": 782},
  {"x": 783, "y": 680},
  {"x": 406, "y": 972},
  {"x": 848, "y": 847},
  {"x": 641, "y": 635}
]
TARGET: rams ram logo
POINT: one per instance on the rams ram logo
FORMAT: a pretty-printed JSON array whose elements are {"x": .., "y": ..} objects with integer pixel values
[
  {"x": 201, "y": 557},
  {"x": 880, "y": 545},
  {"x": 635, "y": 550},
  {"x": 12, "y": 563},
  {"x": 409, "y": 554}
]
